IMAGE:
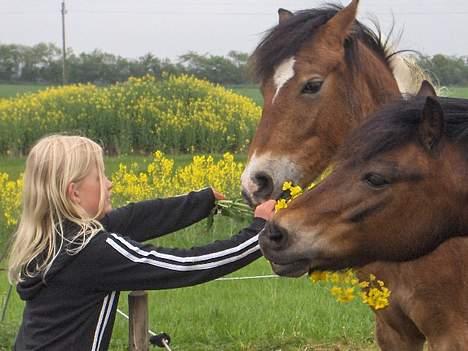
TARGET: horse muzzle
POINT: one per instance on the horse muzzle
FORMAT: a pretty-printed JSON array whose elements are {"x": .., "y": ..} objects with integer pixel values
[
  {"x": 273, "y": 238},
  {"x": 274, "y": 244}
]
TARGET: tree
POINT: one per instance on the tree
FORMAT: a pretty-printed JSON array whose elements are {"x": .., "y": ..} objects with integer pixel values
[
  {"x": 217, "y": 69},
  {"x": 43, "y": 63},
  {"x": 448, "y": 70},
  {"x": 10, "y": 62}
]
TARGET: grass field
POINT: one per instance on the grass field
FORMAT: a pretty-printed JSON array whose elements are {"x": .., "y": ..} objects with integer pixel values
[
  {"x": 12, "y": 90},
  {"x": 454, "y": 91},
  {"x": 251, "y": 91}
]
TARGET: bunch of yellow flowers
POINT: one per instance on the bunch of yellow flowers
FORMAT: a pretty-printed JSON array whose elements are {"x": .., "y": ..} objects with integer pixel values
[
  {"x": 345, "y": 284},
  {"x": 162, "y": 178},
  {"x": 10, "y": 199}
]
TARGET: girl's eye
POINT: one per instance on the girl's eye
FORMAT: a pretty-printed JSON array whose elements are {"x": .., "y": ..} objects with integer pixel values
[
  {"x": 376, "y": 180},
  {"x": 312, "y": 87}
]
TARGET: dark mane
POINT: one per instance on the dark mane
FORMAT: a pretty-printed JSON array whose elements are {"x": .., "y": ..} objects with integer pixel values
[
  {"x": 300, "y": 28},
  {"x": 397, "y": 124}
]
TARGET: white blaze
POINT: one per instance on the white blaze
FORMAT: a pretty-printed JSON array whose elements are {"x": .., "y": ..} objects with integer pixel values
[{"x": 283, "y": 73}]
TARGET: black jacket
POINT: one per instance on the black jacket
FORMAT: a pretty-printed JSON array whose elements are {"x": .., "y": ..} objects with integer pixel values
[{"x": 74, "y": 307}]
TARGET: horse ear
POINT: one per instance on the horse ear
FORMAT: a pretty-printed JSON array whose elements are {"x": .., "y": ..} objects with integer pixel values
[
  {"x": 339, "y": 26},
  {"x": 432, "y": 124},
  {"x": 284, "y": 15},
  {"x": 426, "y": 89}
]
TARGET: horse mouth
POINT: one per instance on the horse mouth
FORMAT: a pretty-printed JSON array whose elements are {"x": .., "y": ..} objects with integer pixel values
[
  {"x": 252, "y": 200},
  {"x": 294, "y": 270}
]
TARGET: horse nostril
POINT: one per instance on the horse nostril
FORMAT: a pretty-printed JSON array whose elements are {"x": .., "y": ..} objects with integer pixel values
[
  {"x": 276, "y": 235},
  {"x": 265, "y": 185}
]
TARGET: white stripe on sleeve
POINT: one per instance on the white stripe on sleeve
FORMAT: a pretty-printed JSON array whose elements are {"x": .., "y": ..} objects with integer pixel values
[
  {"x": 205, "y": 257},
  {"x": 129, "y": 255}
]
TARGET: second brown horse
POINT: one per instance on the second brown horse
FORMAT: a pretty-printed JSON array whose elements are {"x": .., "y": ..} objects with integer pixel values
[{"x": 398, "y": 190}]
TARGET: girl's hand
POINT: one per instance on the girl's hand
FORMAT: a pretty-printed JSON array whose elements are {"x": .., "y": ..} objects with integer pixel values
[
  {"x": 265, "y": 210},
  {"x": 217, "y": 195}
]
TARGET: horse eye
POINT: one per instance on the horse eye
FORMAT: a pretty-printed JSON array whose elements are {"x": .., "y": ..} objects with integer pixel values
[
  {"x": 376, "y": 180},
  {"x": 312, "y": 87}
]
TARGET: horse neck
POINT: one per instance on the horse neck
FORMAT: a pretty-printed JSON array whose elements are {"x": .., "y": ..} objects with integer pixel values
[{"x": 373, "y": 86}]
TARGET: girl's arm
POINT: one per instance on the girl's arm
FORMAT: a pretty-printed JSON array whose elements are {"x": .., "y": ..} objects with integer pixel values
[
  {"x": 117, "y": 263},
  {"x": 149, "y": 219}
]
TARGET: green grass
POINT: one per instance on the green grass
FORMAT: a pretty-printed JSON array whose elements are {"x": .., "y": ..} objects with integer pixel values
[
  {"x": 12, "y": 90},
  {"x": 454, "y": 91},
  {"x": 251, "y": 91}
]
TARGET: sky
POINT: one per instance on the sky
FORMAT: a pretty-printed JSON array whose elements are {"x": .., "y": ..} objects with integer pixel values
[{"x": 167, "y": 29}]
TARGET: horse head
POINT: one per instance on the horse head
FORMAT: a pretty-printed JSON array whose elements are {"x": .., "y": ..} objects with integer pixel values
[
  {"x": 397, "y": 191},
  {"x": 321, "y": 73}
]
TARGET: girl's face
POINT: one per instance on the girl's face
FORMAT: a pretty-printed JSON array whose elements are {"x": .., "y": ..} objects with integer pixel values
[{"x": 86, "y": 194}]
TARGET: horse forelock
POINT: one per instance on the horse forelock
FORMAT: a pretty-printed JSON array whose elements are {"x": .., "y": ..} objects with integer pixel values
[
  {"x": 397, "y": 124},
  {"x": 286, "y": 39}
]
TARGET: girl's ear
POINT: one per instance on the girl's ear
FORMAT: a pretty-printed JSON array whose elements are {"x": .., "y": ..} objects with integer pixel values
[{"x": 73, "y": 193}]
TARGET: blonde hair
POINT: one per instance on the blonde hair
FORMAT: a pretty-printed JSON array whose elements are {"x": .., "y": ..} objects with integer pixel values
[{"x": 53, "y": 163}]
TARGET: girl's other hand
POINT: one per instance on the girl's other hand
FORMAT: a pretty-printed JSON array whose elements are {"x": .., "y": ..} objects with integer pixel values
[
  {"x": 218, "y": 195},
  {"x": 265, "y": 210}
]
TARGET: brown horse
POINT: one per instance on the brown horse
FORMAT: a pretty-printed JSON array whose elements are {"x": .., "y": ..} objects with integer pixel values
[
  {"x": 398, "y": 190},
  {"x": 321, "y": 73}
]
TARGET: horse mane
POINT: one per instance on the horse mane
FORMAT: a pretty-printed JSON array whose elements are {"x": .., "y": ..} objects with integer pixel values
[
  {"x": 301, "y": 28},
  {"x": 397, "y": 124}
]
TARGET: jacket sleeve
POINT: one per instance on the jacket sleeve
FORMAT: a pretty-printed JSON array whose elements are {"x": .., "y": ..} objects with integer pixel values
[
  {"x": 153, "y": 218},
  {"x": 114, "y": 262}
]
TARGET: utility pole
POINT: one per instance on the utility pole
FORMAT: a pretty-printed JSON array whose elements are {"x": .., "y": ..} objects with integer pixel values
[{"x": 64, "y": 52}]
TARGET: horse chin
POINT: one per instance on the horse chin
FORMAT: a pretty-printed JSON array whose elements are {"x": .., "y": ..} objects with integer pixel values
[
  {"x": 293, "y": 270},
  {"x": 307, "y": 266}
]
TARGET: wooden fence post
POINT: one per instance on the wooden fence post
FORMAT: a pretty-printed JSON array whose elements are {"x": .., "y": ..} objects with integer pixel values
[{"x": 138, "y": 337}]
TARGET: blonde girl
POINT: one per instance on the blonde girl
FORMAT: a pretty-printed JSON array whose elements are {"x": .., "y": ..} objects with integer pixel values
[{"x": 72, "y": 253}]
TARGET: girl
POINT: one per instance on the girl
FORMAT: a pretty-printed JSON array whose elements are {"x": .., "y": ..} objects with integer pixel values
[{"x": 72, "y": 254}]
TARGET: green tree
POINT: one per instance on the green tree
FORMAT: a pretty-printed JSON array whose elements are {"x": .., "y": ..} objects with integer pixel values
[
  {"x": 447, "y": 70},
  {"x": 11, "y": 59}
]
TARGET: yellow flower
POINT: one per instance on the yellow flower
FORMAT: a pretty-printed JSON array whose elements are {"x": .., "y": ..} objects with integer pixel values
[
  {"x": 363, "y": 284},
  {"x": 344, "y": 284},
  {"x": 318, "y": 276},
  {"x": 280, "y": 204},
  {"x": 295, "y": 191}
]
